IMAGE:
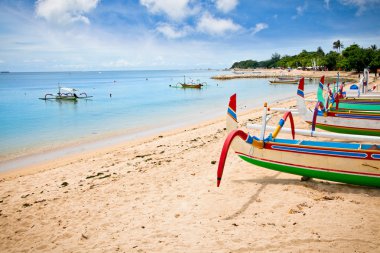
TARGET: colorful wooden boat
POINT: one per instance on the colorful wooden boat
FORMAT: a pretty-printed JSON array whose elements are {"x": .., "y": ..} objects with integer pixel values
[
  {"x": 335, "y": 161},
  {"x": 339, "y": 121},
  {"x": 335, "y": 101}
]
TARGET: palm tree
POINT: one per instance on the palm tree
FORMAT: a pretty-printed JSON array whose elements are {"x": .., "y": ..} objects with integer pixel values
[
  {"x": 337, "y": 45},
  {"x": 373, "y": 47}
]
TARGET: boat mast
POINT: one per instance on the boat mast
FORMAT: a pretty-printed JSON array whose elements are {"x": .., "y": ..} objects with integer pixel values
[
  {"x": 264, "y": 120},
  {"x": 337, "y": 84}
]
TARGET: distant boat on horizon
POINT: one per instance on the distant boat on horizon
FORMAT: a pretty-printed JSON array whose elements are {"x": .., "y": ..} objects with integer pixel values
[{"x": 5, "y": 72}]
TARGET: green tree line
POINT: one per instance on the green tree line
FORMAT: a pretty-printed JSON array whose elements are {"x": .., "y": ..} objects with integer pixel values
[{"x": 352, "y": 58}]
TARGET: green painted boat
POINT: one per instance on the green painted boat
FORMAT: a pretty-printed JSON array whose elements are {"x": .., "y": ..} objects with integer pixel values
[
  {"x": 351, "y": 103},
  {"x": 351, "y": 163}
]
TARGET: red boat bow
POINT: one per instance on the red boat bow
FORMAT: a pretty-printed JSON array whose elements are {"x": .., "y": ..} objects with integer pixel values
[{"x": 226, "y": 146}]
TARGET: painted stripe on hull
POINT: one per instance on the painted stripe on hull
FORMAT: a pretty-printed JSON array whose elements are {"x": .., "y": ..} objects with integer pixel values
[
  {"x": 360, "y": 101},
  {"x": 357, "y": 106},
  {"x": 333, "y": 112},
  {"x": 311, "y": 167},
  {"x": 356, "y": 116},
  {"x": 347, "y": 130},
  {"x": 343, "y": 177},
  {"x": 320, "y": 151},
  {"x": 231, "y": 113}
]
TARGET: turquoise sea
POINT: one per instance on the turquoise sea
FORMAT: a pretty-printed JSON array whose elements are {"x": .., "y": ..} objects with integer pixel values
[{"x": 141, "y": 103}]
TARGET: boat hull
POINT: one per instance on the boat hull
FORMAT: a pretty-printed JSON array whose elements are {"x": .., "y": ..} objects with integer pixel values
[
  {"x": 340, "y": 121},
  {"x": 192, "y": 86},
  {"x": 324, "y": 174},
  {"x": 284, "y": 82},
  {"x": 359, "y": 104},
  {"x": 349, "y": 103},
  {"x": 354, "y": 123},
  {"x": 342, "y": 162},
  {"x": 336, "y": 163},
  {"x": 357, "y": 164},
  {"x": 347, "y": 130}
]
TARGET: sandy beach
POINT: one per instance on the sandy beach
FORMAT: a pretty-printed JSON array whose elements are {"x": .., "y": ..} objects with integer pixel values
[
  {"x": 159, "y": 195},
  {"x": 113, "y": 121}
]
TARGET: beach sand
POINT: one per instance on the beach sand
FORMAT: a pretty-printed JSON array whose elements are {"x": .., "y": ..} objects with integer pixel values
[{"x": 160, "y": 195}]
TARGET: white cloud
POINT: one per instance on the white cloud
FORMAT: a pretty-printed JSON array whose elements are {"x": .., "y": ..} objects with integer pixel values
[
  {"x": 214, "y": 26},
  {"x": 64, "y": 12},
  {"x": 327, "y": 4},
  {"x": 226, "y": 5},
  {"x": 171, "y": 32},
  {"x": 175, "y": 9},
  {"x": 259, "y": 27},
  {"x": 361, "y": 4},
  {"x": 300, "y": 10}
]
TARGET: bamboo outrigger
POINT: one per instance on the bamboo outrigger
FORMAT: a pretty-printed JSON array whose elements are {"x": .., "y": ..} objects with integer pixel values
[
  {"x": 335, "y": 161},
  {"x": 66, "y": 94}
]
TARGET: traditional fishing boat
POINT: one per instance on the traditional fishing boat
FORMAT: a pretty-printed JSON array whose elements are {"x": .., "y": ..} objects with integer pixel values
[
  {"x": 337, "y": 101},
  {"x": 339, "y": 121},
  {"x": 335, "y": 161},
  {"x": 284, "y": 80},
  {"x": 67, "y": 94},
  {"x": 192, "y": 84}
]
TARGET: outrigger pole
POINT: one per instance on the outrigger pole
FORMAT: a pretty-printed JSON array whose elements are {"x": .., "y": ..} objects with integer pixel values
[{"x": 351, "y": 137}]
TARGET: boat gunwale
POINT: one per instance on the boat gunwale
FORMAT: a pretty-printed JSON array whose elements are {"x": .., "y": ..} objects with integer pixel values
[{"x": 299, "y": 143}]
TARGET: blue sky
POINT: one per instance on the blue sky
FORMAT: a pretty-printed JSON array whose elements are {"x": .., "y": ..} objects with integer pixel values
[{"x": 69, "y": 35}]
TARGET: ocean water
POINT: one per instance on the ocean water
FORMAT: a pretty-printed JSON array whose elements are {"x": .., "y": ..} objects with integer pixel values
[{"x": 125, "y": 105}]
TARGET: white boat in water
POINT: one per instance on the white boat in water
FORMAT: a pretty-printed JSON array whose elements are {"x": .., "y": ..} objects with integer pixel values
[{"x": 64, "y": 93}]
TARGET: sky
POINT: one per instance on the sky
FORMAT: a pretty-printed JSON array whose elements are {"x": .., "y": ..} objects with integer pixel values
[{"x": 81, "y": 35}]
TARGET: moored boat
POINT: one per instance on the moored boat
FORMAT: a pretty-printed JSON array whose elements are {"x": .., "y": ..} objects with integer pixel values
[
  {"x": 339, "y": 121},
  {"x": 351, "y": 163},
  {"x": 194, "y": 86},
  {"x": 284, "y": 80},
  {"x": 336, "y": 100},
  {"x": 67, "y": 94},
  {"x": 191, "y": 85}
]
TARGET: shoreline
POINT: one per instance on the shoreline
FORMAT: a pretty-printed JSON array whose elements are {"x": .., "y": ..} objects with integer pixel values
[
  {"x": 105, "y": 147},
  {"x": 40, "y": 157},
  {"x": 274, "y": 73},
  {"x": 41, "y": 161},
  {"x": 159, "y": 195}
]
